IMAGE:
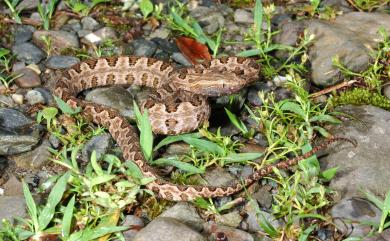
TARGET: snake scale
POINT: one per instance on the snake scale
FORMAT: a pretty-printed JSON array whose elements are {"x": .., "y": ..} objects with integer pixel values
[{"x": 178, "y": 104}]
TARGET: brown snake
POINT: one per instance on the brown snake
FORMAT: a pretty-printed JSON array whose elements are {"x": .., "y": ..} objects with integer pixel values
[{"x": 179, "y": 104}]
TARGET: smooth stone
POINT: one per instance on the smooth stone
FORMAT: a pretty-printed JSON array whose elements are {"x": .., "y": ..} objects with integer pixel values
[
  {"x": 60, "y": 40},
  {"x": 349, "y": 213},
  {"x": 143, "y": 47},
  {"x": 115, "y": 97},
  {"x": 100, "y": 144},
  {"x": 17, "y": 98},
  {"x": 221, "y": 232},
  {"x": 61, "y": 62},
  {"x": 13, "y": 187},
  {"x": 361, "y": 167},
  {"x": 162, "y": 32},
  {"x": 167, "y": 229},
  {"x": 219, "y": 177},
  {"x": 101, "y": 35},
  {"x": 35, "y": 159},
  {"x": 35, "y": 97},
  {"x": 28, "y": 78},
  {"x": 178, "y": 148},
  {"x": 11, "y": 207},
  {"x": 186, "y": 214},
  {"x": 243, "y": 16},
  {"x": 89, "y": 23},
  {"x": 264, "y": 197},
  {"x": 134, "y": 223},
  {"x": 28, "y": 53},
  {"x": 232, "y": 219},
  {"x": 27, "y": 5},
  {"x": 23, "y": 33},
  {"x": 180, "y": 59}
]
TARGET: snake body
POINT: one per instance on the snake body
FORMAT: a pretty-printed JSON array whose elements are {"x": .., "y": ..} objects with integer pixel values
[{"x": 177, "y": 105}]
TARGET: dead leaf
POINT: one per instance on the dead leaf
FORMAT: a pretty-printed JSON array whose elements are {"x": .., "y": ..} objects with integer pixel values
[{"x": 194, "y": 51}]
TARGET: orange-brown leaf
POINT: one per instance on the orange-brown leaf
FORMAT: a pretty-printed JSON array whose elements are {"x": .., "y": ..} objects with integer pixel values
[{"x": 194, "y": 51}]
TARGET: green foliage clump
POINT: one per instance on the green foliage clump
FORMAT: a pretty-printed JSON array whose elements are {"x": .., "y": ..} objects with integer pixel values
[{"x": 361, "y": 96}]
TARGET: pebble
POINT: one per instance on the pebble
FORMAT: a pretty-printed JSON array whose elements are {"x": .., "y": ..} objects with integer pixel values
[
  {"x": 34, "y": 97},
  {"x": 17, "y": 98},
  {"x": 60, "y": 40},
  {"x": 34, "y": 159},
  {"x": 28, "y": 53},
  {"x": 243, "y": 16},
  {"x": 13, "y": 206},
  {"x": 13, "y": 187},
  {"x": 100, "y": 144},
  {"x": 186, "y": 214},
  {"x": 143, "y": 47},
  {"x": 162, "y": 32},
  {"x": 23, "y": 33},
  {"x": 219, "y": 177},
  {"x": 28, "y": 78},
  {"x": 89, "y": 23},
  {"x": 134, "y": 223},
  {"x": 101, "y": 35},
  {"x": 232, "y": 219},
  {"x": 253, "y": 211},
  {"x": 180, "y": 59},
  {"x": 167, "y": 229},
  {"x": 61, "y": 62}
]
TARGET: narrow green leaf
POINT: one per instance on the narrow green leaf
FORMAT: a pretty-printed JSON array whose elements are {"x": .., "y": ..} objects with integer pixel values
[
  {"x": 305, "y": 235},
  {"x": 67, "y": 219},
  {"x": 236, "y": 122},
  {"x": 385, "y": 212},
  {"x": 294, "y": 107},
  {"x": 101, "y": 179},
  {"x": 171, "y": 139},
  {"x": 54, "y": 198},
  {"x": 241, "y": 157},
  {"x": 95, "y": 165},
  {"x": 328, "y": 174},
  {"x": 65, "y": 108},
  {"x": 204, "y": 145},
  {"x": 133, "y": 170},
  {"x": 146, "y": 136},
  {"x": 325, "y": 118},
  {"x": 184, "y": 166},
  {"x": 249, "y": 53},
  {"x": 258, "y": 20},
  {"x": 31, "y": 207}
]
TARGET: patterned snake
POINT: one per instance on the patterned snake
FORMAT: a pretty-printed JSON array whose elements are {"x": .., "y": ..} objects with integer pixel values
[{"x": 177, "y": 105}]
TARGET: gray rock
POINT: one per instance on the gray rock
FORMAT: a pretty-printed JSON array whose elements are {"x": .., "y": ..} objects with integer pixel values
[
  {"x": 13, "y": 187},
  {"x": 134, "y": 223},
  {"x": 115, "y": 97},
  {"x": 101, "y": 35},
  {"x": 28, "y": 53},
  {"x": 349, "y": 213},
  {"x": 60, "y": 40},
  {"x": 72, "y": 25},
  {"x": 363, "y": 167},
  {"x": 11, "y": 207},
  {"x": 264, "y": 197},
  {"x": 143, "y": 47},
  {"x": 17, "y": 132},
  {"x": 167, "y": 229},
  {"x": 254, "y": 217},
  {"x": 211, "y": 18},
  {"x": 162, "y": 32},
  {"x": 100, "y": 144},
  {"x": 220, "y": 232},
  {"x": 27, "y": 5},
  {"x": 180, "y": 59},
  {"x": 348, "y": 37},
  {"x": 178, "y": 148},
  {"x": 23, "y": 33},
  {"x": 61, "y": 62},
  {"x": 186, "y": 214},
  {"x": 243, "y": 16},
  {"x": 89, "y": 23},
  {"x": 219, "y": 177},
  {"x": 232, "y": 219},
  {"x": 35, "y": 159},
  {"x": 28, "y": 78},
  {"x": 384, "y": 236},
  {"x": 166, "y": 45},
  {"x": 337, "y": 5},
  {"x": 35, "y": 97},
  {"x": 54, "y": 141}
]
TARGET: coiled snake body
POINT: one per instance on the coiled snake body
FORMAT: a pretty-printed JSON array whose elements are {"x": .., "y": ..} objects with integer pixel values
[{"x": 179, "y": 104}]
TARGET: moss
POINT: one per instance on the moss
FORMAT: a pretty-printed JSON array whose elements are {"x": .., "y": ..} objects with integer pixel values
[{"x": 361, "y": 96}]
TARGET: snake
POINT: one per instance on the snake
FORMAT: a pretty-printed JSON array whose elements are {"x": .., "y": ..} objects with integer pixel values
[{"x": 177, "y": 104}]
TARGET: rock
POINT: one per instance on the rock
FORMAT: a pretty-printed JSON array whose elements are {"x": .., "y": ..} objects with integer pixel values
[
  {"x": 186, "y": 214},
  {"x": 180, "y": 59},
  {"x": 264, "y": 197},
  {"x": 11, "y": 207},
  {"x": 289, "y": 34},
  {"x": 349, "y": 213},
  {"x": 165, "y": 45},
  {"x": 211, "y": 18},
  {"x": 23, "y": 33},
  {"x": 35, "y": 97},
  {"x": 89, "y": 23},
  {"x": 162, "y": 32},
  {"x": 384, "y": 236},
  {"x": 28, "y": 52},
  {"x": 253, "y": 211},
  {"x": 61, "y": 62},
  {"x": 232, "y": 219},
  {"x": 100, "y": 144},
  {"x": 115, "y": 97},
  {"x": 35, "y": 159},
  {"x": 27, "y": 5},
  {"x": 72, "y": 25},
  {"x": 361, "y": 167},
  {"x": 101, "y": 35},
  {"x": 167, "y": 229},
  {"x": 17, "y": 132},
  {"x": 6, "y": 101},
  {"x": 54, "y": 141},
  {"x": 349, "y": 37},
  {"x": 134, "y": 223},
  {"x": 219, "y": 177},
  {"x": 253, "y": 93},
  {"x": 243, "y": 16},
  {"x": 60, "y": 40},
  {"x": 17, "y": 98},
  {"x": 28, "y": 78},
  {"x": 178, "y": 148},
  {"x": 220, "y": 232},
  {"x": 13, "y": 187},
  {"x": 143, "y": 47},
  {"x": 337, "y": 5}
]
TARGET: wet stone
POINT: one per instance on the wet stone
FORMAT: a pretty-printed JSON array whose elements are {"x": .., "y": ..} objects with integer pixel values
[
  {"x": 143, "y": 47},
  {"x": 28, "y": 53},
  {"x": 61, "y": 62}
]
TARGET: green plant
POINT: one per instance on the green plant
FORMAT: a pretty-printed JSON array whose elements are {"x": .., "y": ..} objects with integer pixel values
[
  {"x": 11, "y": 4},
  {"x": 82, "y": 8},
  {"x": 5, "y": 59},
  {"x": 146, "y": 7},
  {"x": 264, "y": 45},
  {"x": 211, "y": 209},
  {"x": 6, "y": 79},
  {"x": 46, "y": 12},
  {"x": 369, "y": 5},
  {"x": 47, "y": 40},
  {"x": 106, "y": 48},
  {"x": 239, "y": 124},
  {"x": 384, "y": 206}
]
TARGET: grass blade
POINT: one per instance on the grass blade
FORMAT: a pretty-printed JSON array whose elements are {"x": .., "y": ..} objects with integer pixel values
[
  {"x": 187, "y": 167},
  {"x": 258, "y": 20},
  {"x": 67, "y": 219},
  {"x": 203, "y": 145},
  {"x": 171, "y": 139},
  {"x": 31, "y": 207}
]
